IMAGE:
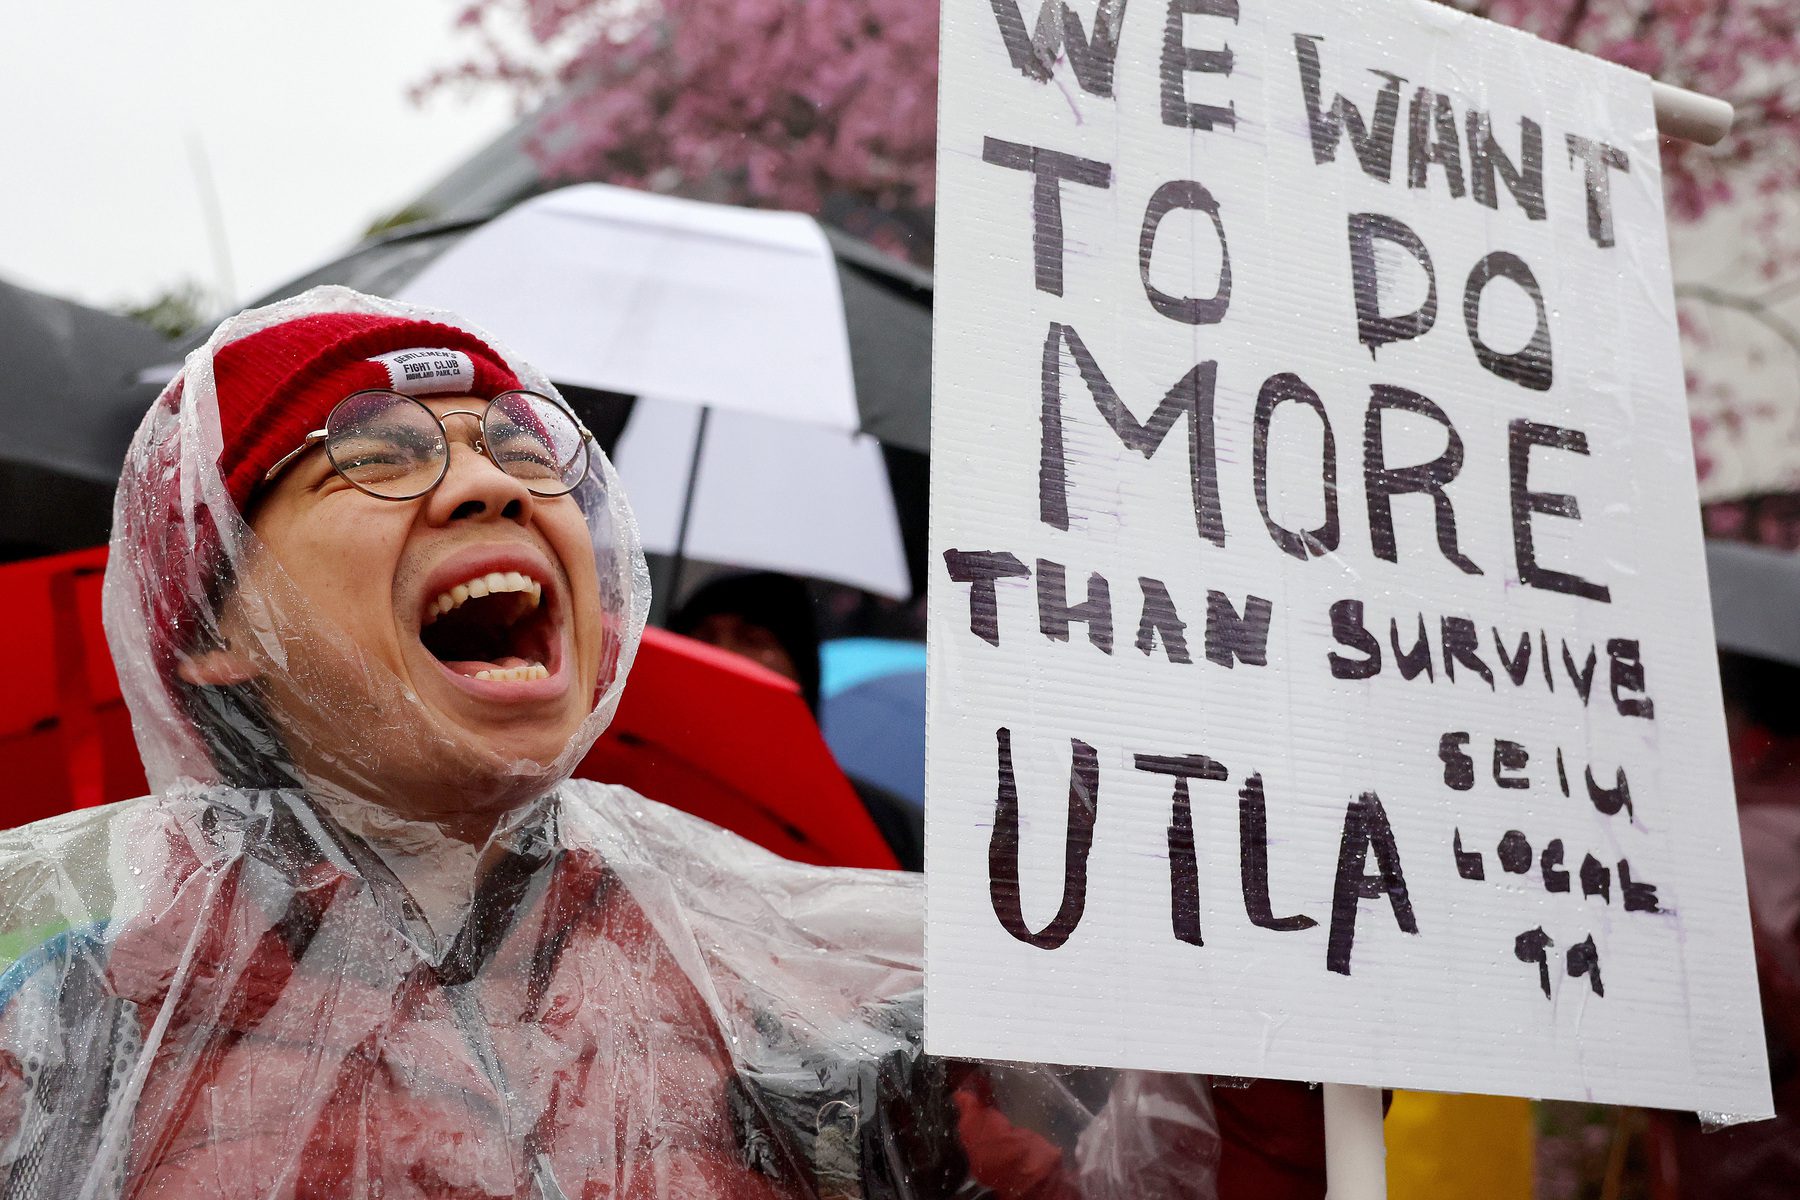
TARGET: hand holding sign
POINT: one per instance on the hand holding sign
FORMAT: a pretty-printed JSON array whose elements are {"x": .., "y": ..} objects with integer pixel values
[{"x": 1321, "y": 680}]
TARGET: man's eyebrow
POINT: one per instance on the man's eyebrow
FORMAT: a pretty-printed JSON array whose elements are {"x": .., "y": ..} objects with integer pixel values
[
  {"x": 511, "y": 429},
  {"x": 401, "y": 436},
  {"x": 414, "y": 439}
]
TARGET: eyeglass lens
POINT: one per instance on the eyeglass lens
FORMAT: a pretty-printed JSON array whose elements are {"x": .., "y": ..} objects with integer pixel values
[
  {"x": 535, "y": 441},
  {"x": 393, "y": 446},
  {"x": 387, "y": 444}
]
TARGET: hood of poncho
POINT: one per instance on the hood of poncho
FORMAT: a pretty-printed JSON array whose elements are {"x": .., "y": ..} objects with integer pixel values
[{"x": 180, "y": 547}]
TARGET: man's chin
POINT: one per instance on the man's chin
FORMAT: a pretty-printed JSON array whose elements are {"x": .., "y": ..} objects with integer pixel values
[
  {"x": 459, "y": 772},
  {"x": 512, "y": 734},
  {"x": 512, "y": 751},
  {"x": 506, "y": 727}
]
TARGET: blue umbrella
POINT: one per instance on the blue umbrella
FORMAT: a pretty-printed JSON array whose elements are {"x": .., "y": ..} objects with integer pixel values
[{"x": 872, "y": 709}]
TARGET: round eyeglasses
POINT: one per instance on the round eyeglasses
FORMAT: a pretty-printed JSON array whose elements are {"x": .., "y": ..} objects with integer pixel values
[{"x": 394, "y": 447}]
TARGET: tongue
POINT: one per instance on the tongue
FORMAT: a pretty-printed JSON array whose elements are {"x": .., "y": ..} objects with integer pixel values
[{"x": 500, "y": 664}]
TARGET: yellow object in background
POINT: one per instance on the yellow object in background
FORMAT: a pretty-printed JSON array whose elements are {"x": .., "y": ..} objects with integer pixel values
[{"x": 1458, "y": 1147}]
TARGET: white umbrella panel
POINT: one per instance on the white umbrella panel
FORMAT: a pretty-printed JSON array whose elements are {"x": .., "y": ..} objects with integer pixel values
[{"x": 727, "y": 325}]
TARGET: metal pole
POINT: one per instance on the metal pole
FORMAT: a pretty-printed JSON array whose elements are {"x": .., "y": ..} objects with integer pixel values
[
  {"x": 1355, "y": 1154},
  {"x": 1689, "y": 115},
  {"x": 687, "y": 513},
  {"x": 215, "y": 219}
]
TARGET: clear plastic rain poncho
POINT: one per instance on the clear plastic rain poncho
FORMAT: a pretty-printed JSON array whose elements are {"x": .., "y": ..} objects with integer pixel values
[{"x": 271, "y": 978}]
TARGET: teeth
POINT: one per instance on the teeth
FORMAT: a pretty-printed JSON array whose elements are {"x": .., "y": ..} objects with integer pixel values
[
  {"x": 485, "y": 585},
  {"x": 528, "y": 671}
]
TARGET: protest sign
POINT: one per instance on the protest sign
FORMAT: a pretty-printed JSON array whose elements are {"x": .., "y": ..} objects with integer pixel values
[{"x": 1322, "y": 685}]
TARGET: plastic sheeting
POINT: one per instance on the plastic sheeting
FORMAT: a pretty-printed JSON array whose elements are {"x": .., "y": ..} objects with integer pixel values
[{"x": 353, "y": 947}]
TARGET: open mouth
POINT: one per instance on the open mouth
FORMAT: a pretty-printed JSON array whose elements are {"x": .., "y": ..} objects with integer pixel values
[{"x": 494, "y": 627}]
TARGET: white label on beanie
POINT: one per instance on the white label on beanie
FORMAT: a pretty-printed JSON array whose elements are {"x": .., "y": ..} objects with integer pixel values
[{"x": 424, "y": 371}]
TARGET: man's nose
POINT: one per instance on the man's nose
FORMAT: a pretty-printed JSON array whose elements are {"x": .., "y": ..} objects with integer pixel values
[{"x": 475, "y": 486}]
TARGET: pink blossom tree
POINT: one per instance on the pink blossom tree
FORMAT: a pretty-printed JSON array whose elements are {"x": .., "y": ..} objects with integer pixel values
[
  {"x": 788, "y": 103},
  {"x": 778, "y": 103},
  {"x": 1744, "y": 51}
]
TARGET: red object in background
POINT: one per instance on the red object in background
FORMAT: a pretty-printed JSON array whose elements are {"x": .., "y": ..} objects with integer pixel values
[
  {"x": 699, "y": 729},
  {"x": 1272, "y": 1141},
  {"x": 65, "y": 736},
  {"x": 718, "y": 736}
]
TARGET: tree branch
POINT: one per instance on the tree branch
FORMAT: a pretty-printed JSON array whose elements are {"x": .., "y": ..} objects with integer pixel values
[
  {"x": 1779, "y": 292},
  {"x": 1753, "y": 307},
  {"x": 1572, "y": 20}
]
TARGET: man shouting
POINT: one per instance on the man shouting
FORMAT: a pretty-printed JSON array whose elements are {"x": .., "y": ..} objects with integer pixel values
[{"x": 373, "y": 593}]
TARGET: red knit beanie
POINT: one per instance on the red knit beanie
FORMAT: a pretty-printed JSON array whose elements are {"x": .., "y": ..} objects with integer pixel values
[
  {"x": 279, "y": 384},
  {"x": 274, "y": 387}
]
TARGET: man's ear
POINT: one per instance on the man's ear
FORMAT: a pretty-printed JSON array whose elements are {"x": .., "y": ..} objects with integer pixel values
[{"x": 221, "y": 667}]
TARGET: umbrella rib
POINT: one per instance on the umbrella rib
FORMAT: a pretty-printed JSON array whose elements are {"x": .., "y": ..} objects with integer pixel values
[{"x": 687, "y": 507}]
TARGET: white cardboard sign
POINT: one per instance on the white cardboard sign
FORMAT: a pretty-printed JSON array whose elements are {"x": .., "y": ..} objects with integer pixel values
[{"x": 1322, "y": 685}]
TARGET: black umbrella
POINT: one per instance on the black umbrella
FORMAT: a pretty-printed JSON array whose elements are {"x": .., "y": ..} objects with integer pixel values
[
  {"x": 70, "y": 408},
  {"x": 1755, "y": 600}
]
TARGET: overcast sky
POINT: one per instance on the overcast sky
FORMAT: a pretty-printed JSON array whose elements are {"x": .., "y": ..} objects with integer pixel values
[{"x": 300, "y": 106}]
